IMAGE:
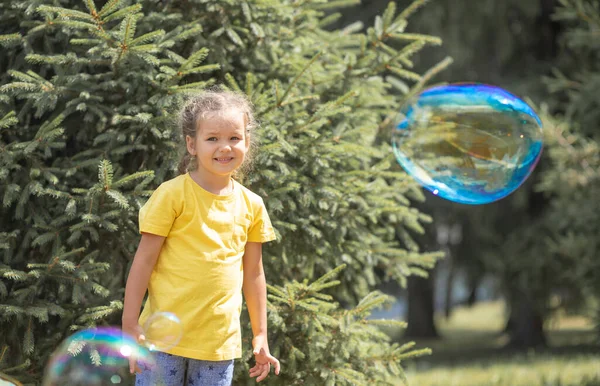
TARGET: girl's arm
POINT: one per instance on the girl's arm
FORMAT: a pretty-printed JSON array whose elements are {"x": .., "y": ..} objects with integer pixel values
[
  {"x": 255, "y": 292},
  {"x": 255, "y": 288},
  {"x": 139, "y": 276}
]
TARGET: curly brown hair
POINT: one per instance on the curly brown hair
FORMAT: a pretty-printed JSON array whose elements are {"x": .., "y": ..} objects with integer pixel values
[{"x": 208, "y": 102}]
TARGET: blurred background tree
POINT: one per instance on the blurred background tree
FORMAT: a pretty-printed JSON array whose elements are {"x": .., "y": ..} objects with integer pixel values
[{"x": 572, "y": 184}]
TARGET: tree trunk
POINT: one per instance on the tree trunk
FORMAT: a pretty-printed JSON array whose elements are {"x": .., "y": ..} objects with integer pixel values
[
  {"x": 510, "y": 323},
  {"x": 449, "y": 284},
  {"x": 421, "y": 308},
  {"x": 472, "y": 298},
  {"x": 526, "y": 324}
]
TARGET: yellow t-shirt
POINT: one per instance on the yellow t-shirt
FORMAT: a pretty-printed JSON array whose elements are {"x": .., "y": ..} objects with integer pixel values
[{"x": 199, "y": 273}]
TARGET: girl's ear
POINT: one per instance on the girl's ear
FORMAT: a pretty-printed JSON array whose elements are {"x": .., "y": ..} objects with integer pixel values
[
  {"x": 247, "y": 134},
  {"x": 190, "y": 144},
  {"x": 247, "y": 139}
]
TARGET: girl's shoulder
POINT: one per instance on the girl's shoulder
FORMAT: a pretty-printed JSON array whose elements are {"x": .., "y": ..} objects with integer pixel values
[
  {"x": 166, "y": 199},
  {"x": 171, "y": 189},
  {"x": 174, "y": 184},
  {"x": 248, "y": 194}
]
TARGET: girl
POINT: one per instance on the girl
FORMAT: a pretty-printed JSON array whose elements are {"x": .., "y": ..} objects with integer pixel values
[{"x": 201, "y": 245}]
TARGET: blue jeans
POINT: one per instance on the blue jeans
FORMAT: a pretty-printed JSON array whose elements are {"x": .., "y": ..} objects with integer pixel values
[{"x": 172, "y": 370}]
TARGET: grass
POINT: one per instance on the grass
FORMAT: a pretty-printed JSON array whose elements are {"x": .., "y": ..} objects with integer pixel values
[
  {"x": 471, "y": 353},
  {"x": 516, "y": 370}
]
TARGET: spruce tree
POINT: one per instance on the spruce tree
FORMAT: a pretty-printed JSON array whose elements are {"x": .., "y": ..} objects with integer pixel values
[{"x": 87, "y": 98}]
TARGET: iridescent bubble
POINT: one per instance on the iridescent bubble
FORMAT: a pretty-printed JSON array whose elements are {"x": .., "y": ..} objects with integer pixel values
[
  {"x": 468, "y": 143},
  {"x": 162, "y": 331},
  {"x": 94, "y": 357},
  {"x": 5, "y": 380}
]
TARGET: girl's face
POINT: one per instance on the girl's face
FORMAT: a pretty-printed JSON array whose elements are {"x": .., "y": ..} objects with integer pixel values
[{"x": 221, "y": 143}]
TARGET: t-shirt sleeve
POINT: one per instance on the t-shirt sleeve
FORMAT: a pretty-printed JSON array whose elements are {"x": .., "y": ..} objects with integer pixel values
[
  {"x": 159, "y": 212},
  {"x": 261, "y": 230}
]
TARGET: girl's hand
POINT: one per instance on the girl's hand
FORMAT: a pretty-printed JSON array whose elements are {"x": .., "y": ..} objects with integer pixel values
[
  {"x": 263, "y": 359},
  {"x": 134, "y": 330}
]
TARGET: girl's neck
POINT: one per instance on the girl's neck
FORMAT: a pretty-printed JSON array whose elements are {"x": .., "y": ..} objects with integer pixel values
[{"x": 215, "y": 184}]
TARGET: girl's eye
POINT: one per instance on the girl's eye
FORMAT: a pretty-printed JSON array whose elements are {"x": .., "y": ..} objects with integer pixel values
[
  {"x": 235, "y": 138},
  {"x": 212, "y": 139}
]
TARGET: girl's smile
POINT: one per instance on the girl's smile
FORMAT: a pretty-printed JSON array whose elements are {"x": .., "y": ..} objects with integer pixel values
[{"x": 223, "y": 160}]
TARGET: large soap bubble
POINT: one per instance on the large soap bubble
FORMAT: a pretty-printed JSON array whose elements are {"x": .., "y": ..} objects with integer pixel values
[
  {"x": 95, "y": 357},
  {"x": 468, "y": 143},
  {"x": 101, "y": 356}
]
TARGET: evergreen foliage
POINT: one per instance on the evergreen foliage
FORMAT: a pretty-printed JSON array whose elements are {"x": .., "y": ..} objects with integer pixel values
[
  {"x": 349, "y": 347},
  {"x": 88, "y": 93}
]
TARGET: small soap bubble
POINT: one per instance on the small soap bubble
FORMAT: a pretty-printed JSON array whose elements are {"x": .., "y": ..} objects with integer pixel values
[
  {"x": 162, "y": 331},
  {"x": 468, "y": 143}
]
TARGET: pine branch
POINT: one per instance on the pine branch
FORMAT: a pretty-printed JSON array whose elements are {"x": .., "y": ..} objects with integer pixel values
[
  {"x": 408, "y": 11},
  {"x": 429, "y": 75},
  {"x": 105, "y": 174},
  {"x": 323, "y": 279},
  {"x": 122, "y": 13},
  {"x": 8, "y": 120},
  {"x": 334, "y": 4},
  {"x": 10, "y": 40},
  {"x": 418, "y": 37},
  {"x": 109, "y": 7},
  {"x": 64, "y": 13},
  {"x": 388, "y": 15},
  {"x": 404, "y": 73},
  {"x": 295, "y": 80},
  {"x": 19, "y": 367},
  {"x": 147, "y": 38}
]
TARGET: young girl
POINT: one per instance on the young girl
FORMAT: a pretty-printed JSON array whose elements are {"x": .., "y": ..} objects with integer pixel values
[{"x": 201, "y": 245}]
